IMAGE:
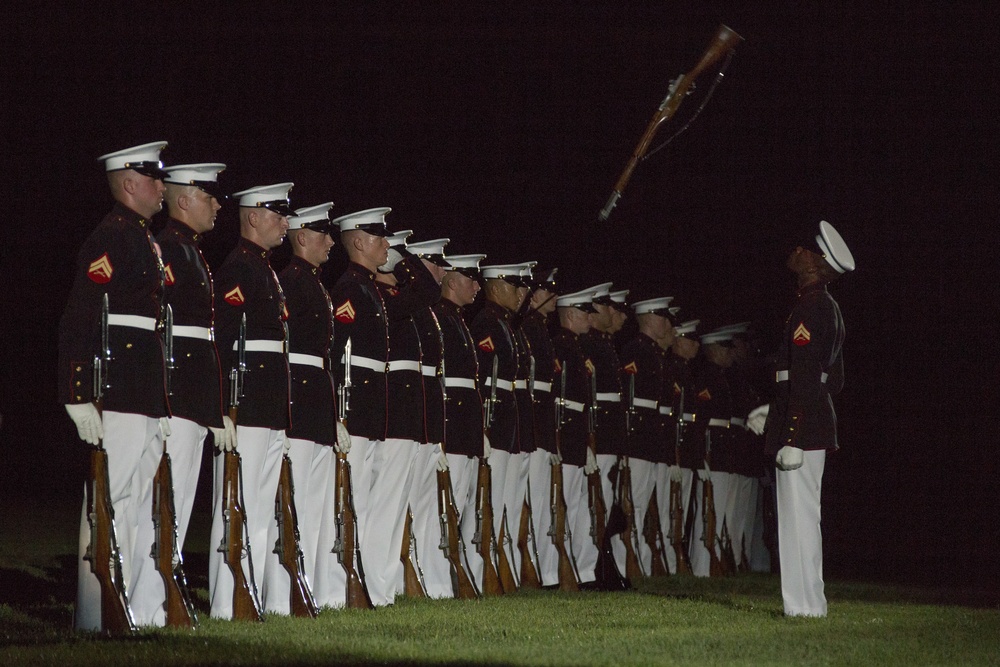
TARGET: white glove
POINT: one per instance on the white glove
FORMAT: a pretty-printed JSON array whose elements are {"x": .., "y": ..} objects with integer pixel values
[
  {"x": 442, "y": 462},
  {"x": 590, "y": 467},
  {"x": 704, "y": 474},
  {"x": 394, "y": 258},
  {"x": 88, "y": 421},
  {"x": 343, "y": 445},
  {"x": 675, "y": 474},
  {"x": 555, "y": 459},
  {"x": 286, "y": 446},
  {"x": 225, "y": 437},
  {"x": 487, "y": 450},
  {"x": 757, "y": 418},
  {"x": 164, "y": 428},
  {"x": 789, "y": 458}
]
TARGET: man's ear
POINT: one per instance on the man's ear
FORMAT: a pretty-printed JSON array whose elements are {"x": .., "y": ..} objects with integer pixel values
[
  {"x": 183, "y": 202},
  {"x": 253, "y": 219},
  {"x": 129, "y": 185}
]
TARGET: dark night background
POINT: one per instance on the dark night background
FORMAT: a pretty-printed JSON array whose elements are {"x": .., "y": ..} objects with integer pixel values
[{"x": 504, "y": 127}]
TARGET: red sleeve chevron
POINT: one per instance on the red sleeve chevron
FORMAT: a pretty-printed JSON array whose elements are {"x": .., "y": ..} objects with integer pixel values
[
  {"x": 486, "y": 344},
  {"x": 345, "y": 312}
]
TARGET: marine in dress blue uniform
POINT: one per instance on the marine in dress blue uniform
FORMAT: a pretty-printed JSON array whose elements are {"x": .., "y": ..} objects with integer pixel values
[
  {"x": 801, "y": 424},
  {"x": 246, "y": 285},
  {"x": 120, "y": 259}
]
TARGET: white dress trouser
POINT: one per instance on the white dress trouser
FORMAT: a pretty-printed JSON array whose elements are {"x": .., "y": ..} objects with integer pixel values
[
  {"x": 276, "y": 593},
  {"x": 464, "y": 477},
  {"x": 514, "y": 492},
  {"x": 427, "y": 523},
  {"x": 800, "y": 538},
  {"x": 584, "y": 551},
  {"x": 540, "y": 485},
  {"x": 330, "y": 580},
  {"x": 184, "y": 446},
  {"x": 134, "y": 449},
  {"x": 260, "y": 450},
  {"x": 391, "y": 473}
]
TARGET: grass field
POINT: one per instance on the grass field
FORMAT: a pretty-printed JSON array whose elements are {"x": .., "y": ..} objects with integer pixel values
[{"x": 678, "y": 620}]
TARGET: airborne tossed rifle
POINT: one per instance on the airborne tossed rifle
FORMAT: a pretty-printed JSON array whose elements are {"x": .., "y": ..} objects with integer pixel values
[
  {"x": 102, "y": 550},
  {"x": 346, "y": 545},
  {"x": 235, "y": 544},
  {"x": 165, "y": 554},
  {"x": 569, "y": 578},
  {"x": 724, "y": 42},
  {"x": 301, "y": 600},
  {"x": 708, "y": 512},
  {"x": 677, "y": 532}
]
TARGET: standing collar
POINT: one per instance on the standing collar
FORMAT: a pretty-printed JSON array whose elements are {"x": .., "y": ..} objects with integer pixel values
[
  {"x": 254, "y": 249},
  {"x": 183, "y": 230},
  {"x": 305, "y": 265},
  {"x": 818, "y": 286},
  {"x": 129, "y": 215}
]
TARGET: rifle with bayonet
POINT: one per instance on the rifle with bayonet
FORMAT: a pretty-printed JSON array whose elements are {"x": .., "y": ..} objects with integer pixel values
[
  {"x": 559, "y": 530},
  {"x": 301, "y": 600},
  {"x": 595, "y": 492},
  {"x": 166, "y": 556},
  {"x": 633, "y": 570},
  {"x": 483, "y": 537},
  {"x": 677, "y": 532},
  {"x": 653, "y": 534},
  {"x": 235, "y": 544},
  {"x": 102, "y": 551},
  {"x": 346, "y": 545},
  {"x": 413, "y": 585},
  {"x": 451, "y": 540},
  {"x": 708, "y": 515},
  {"x": 526, "y": 531}
]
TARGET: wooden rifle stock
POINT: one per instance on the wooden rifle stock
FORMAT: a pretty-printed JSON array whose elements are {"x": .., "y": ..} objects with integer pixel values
[
  {"x": 102, "y": 552},
  {"x": 725, "y": 40},
  {"x": 726, "y": 547},
  {"x": 568, "y": 579},
  {"x": 595, "y": 499},
  {"x": 504, "y": 568},
  {"x": 246, "y": 606},
  {"x": 483, "y": 538},
  {"x": 346, "y": 546},
  {"x": 633, "y": 570},
  {"x": 451, "y": 540},
  {"x": 529, "y": 574},
  {"x": 653, "y": 534},
  {"x": 166, "y": 557},
  {"x": 301, "y": 601},
  {"x": 412, "y": 587},
  {"x": 709, "y": 519}
]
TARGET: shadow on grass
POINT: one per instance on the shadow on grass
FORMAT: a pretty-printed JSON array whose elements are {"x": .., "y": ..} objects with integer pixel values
[{"x": 734, "y": 591}]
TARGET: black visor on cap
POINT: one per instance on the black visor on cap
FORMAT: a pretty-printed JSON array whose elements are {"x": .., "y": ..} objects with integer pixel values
[
  {"x": 475, "y": 274},
  {"x": 374, "y": 228},
  {"x": 323, "y": 226},
  {"x": 586, "y": 307},
  {"x": 437, "y": 260},
  {"x": 210, "y": 187},
  {"x": 279, "y": 206},
  {"x": 148, "y": 168}
]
